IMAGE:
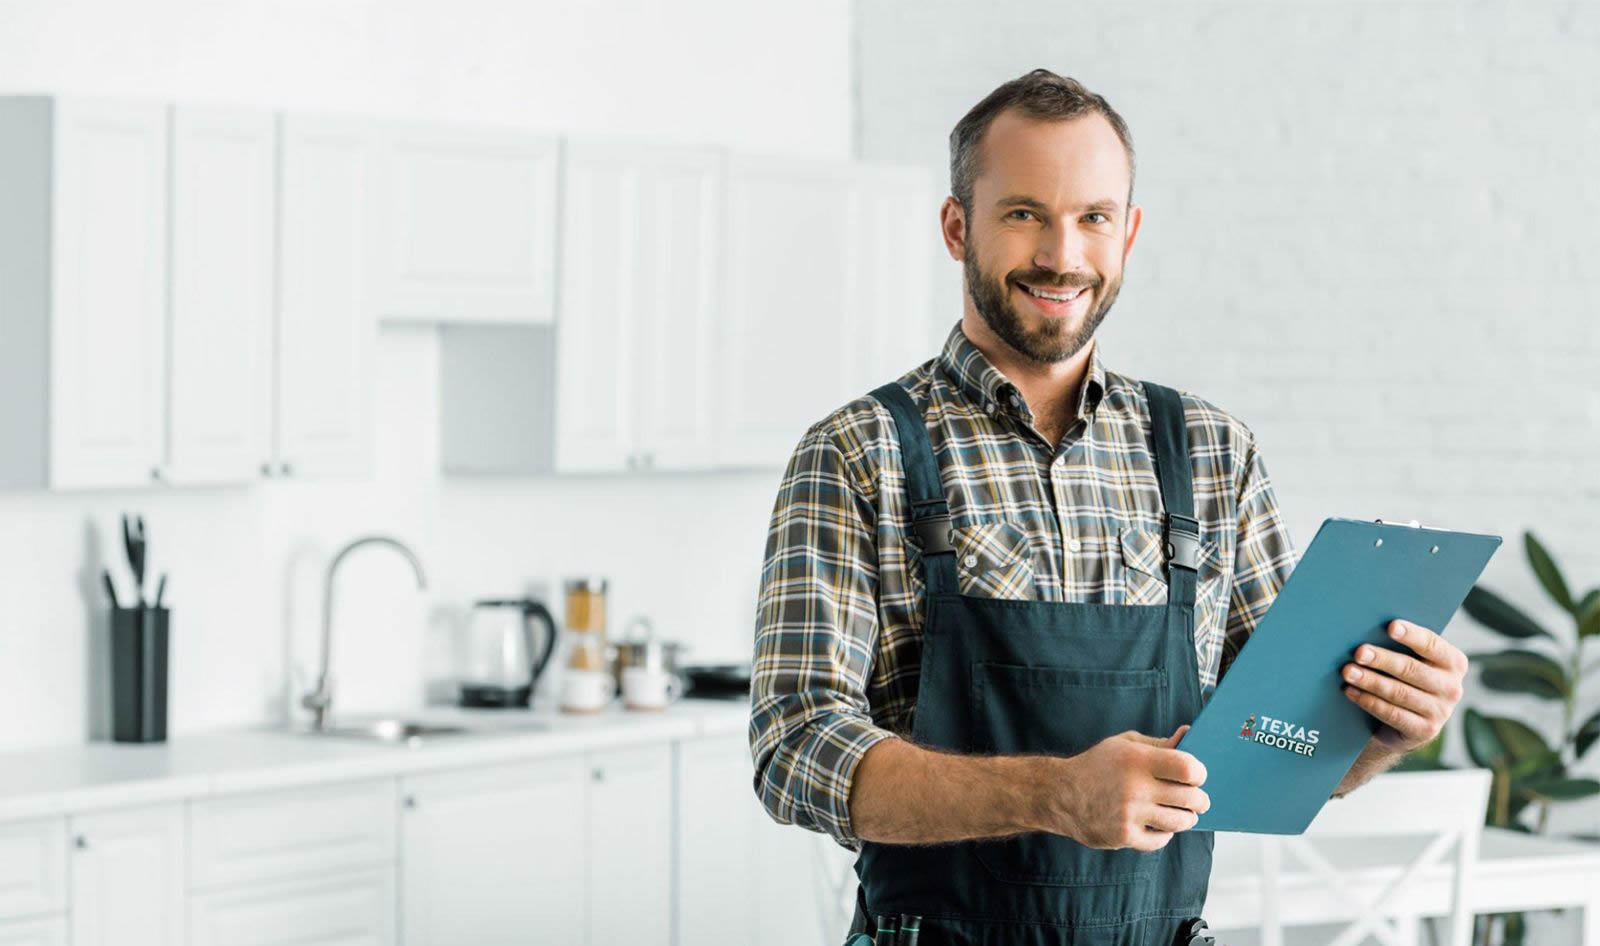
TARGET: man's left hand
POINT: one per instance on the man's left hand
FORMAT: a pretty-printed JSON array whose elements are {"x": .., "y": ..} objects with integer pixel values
[{"x": 1411, "y": 696}]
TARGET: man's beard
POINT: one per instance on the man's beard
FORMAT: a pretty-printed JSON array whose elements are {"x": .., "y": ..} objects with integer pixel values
[{"x": 1054, "y": 340}]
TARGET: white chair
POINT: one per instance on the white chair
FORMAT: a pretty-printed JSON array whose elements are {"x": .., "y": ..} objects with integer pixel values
[{"x": 1447, "y": 807}]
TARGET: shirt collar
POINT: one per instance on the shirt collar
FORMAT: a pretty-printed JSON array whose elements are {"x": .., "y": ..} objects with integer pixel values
[{"x": 981, "y": 381}]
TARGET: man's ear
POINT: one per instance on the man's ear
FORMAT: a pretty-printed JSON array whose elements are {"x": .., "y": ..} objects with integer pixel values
[
  {"x": 1135, "y": 217},
  {"x": 953, "y": 227}
]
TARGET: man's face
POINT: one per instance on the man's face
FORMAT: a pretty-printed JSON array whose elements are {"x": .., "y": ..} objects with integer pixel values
[{"x": 1049, "y": 215}]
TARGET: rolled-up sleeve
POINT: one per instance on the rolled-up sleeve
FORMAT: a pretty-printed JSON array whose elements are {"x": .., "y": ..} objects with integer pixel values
[
  {"x": 1264, "y": 556},
  {"x": 816, "y": 627}
]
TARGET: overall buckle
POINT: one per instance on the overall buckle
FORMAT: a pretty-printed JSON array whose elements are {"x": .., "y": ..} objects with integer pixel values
[
  {"x": 935, "y": 534},
  {"x": 1182, "y": 542}
]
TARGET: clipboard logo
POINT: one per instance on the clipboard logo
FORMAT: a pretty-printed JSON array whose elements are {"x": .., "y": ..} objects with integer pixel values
[{"x": 1280, "y": 734}]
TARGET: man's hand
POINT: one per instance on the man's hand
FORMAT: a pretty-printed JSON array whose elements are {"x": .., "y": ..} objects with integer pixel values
[
  {"x": 1411, "y": 696},
  {"x": 1132, "y": 791}
]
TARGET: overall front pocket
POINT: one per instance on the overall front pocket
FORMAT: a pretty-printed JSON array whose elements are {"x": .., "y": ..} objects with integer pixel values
[{"x": 1060, "y": 711}]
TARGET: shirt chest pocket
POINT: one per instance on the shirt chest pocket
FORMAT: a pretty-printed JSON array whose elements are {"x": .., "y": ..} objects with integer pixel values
[
  {"x": 1144, "y": 573},
  {"x": 994, "y": 560}
]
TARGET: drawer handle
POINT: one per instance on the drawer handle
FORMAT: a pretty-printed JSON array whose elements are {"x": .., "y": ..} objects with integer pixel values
[
  {"x": 81, "y": 843},
  {"x": 410, "y": 801}
]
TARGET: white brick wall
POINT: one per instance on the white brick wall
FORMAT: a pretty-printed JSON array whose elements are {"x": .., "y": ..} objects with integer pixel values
[{"x": 1370, "y": 231}]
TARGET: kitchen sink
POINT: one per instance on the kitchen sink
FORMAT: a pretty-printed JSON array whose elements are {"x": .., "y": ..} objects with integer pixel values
[{"x": 414, "y": 731}]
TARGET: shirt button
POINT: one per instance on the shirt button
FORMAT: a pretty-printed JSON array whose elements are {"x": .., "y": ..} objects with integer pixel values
[
  {"x": 1016, "y": 401},
  {"x": 971, "y": 561},
  {"x": 1075, "y": 545}
]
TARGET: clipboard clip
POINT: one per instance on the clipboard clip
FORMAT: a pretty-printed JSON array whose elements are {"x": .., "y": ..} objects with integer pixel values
[{"x": 1412, "y": 523}]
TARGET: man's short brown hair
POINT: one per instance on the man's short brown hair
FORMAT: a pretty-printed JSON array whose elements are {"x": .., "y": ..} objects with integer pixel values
[{"x": 1040, "y": 94}]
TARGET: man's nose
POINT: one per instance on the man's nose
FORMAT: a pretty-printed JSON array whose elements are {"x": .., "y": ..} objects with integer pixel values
[{"x": 1060, "y": 250}]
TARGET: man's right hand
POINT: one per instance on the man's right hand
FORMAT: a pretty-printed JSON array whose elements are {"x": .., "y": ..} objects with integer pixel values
[{"x": 1128, "y": 790}]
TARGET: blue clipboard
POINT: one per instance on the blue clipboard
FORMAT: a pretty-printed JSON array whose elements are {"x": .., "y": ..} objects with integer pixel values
[{"x": 1278, "y": 733}]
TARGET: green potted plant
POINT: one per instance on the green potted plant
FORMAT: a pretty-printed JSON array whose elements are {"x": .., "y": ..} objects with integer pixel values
[{"x": 1529, "y": 769}]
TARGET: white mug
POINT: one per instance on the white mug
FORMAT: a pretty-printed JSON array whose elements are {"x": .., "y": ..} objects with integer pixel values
[
  {"x": 645, "y": 688},
  {"x": 586, "y": 690}
]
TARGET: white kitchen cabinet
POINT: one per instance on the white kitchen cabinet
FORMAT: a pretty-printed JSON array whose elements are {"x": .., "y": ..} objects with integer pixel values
[
  {"x": 717, "y": 854},
  {"x": 350, "y": 908},
  {"x": 638, "y": 304},
  {"x": 35, "y": 931},
  {"x": 219, "y": 393},
  {"x": 33, "y": 871},
  {"x": 127, "y": 877},
  {"x": 257, "y": 836},
  {"x": 829, "y": 282},
  {"x": 325, "y": 327},
  {"x": 495, "y": 855},
  {"x": 83, "y": 265},
  {"x": 630, "y": 846},
  {"x": 466, "y": 224}
]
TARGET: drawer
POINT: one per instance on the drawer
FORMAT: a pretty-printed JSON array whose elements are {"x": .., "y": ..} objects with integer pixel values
[
  {"x": 269, "y": 835},
  {"x": 353, "y": 908},
  {"x": 33, "y": 867},
  {"x": 39, "y": 931}
]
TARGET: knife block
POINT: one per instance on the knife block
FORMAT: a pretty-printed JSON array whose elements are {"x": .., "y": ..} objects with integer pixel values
[{"x": 139, "y": 674}]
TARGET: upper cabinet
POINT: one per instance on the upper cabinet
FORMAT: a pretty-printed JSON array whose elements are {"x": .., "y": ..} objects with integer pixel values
[
  {"x": 159, "y": 327},
  {"x": 83, "y": 257},
  {"x": 465, "y": 224},
  {"x": 219, "y": 390},
  {"x": 325, "y": 328},
  {"x": 639, "y": 304}
]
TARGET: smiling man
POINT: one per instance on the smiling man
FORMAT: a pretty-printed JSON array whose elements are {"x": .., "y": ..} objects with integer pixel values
[{"x": 997, "y": 589}]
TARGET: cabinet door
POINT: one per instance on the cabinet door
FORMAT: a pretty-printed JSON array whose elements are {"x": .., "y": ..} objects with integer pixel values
[
  {"x": 325, "y": 329},
  {"x": 127, "y": 875},
  {"x": 350, "y": 908},
  {"x": 718, "y": 817},
  {"x": 33, "y": 871},
  {"x": 630, "y": 846},
  {"x": 787, "y": 358},
  {"x": 220, "y": 354},
  {"x": 680, "y": 222},
  {"x": 108, "y": 294},
  {"x": 494, "y": 855},
  {"x": 595, "y": 343},
  {"x": 899, "y": 244},
  {"x": 466, "y": 224}
]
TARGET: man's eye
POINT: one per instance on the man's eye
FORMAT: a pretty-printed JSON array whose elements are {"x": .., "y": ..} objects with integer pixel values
[
  {"x": 1014, "y": 212},
  {"x": 1098, "y": 214}
]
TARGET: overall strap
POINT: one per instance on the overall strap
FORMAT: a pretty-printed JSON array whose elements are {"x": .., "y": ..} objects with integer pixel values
[
  {"x": 1170, "y": 451},
  {"x": 930, "y": 513}
]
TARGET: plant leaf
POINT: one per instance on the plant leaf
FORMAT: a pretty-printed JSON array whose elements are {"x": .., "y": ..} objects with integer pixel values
[
  {"x": 1482, "y": 744},
  {"x": 1499, "y": 615},
  {"x": 1549, "y": 575},
  {"x": 1559, "y": 788},
  {"x": 1587, "y": 734},
  {"x": 1589, "y": 614},
  {"x": 1540, "y": 765},
  {"x": 1523, "y": 671}
]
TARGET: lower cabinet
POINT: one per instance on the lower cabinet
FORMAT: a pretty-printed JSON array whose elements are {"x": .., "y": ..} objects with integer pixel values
[
  {"x": 718, "y": 822},
  {"x": 494, "y": 855},
  {"x": 127, "y": 877},
  {"x": 629, "y": 847}
]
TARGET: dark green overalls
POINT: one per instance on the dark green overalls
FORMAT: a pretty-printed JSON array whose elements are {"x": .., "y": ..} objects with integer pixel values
[{"x": 1002, "y": 676}]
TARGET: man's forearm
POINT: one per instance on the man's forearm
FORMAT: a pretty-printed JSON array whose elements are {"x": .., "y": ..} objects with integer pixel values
[
  {"x": 1373, "y": 760},
  {"x": 905, "y": 794}
]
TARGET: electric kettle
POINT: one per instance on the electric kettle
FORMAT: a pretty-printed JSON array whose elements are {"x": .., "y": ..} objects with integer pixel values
[{"x": 502, "y": 668}]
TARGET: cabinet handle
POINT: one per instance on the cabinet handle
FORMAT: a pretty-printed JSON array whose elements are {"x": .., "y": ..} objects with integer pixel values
[
  {"x": 410, "y": 801},
  {"x": 266, "y": 469},
  {"x": 599, "y": 775},
  {"x": 285, "y": 468},
  {"x": 155, "y": 473},
  {"x": 81, "y": 843},
  {"x": 633, "y": 461},
  {"x": 650, "y": 460}
]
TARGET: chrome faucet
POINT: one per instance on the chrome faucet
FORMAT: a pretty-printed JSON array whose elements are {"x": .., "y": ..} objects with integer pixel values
[{"x": 320, "y": 700}]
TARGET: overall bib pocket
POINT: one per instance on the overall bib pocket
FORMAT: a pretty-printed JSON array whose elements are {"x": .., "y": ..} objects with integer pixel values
[{"x": 1060, "y": 711}]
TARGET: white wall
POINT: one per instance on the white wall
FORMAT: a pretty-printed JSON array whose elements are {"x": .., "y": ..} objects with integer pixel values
[
  {"x": 246, "y": 563},
  {"x": 1369, "y": 230}
]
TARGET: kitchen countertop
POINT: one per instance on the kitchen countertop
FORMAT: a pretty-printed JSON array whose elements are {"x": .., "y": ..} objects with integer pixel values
[{"x": 98, "y": 775}]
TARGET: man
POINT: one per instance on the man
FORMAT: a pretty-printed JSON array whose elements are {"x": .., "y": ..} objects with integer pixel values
[{"x": 997, "y": 589}]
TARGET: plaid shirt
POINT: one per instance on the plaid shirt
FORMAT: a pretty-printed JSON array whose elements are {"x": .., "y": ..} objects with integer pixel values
[{"x": 839, "y": 620}]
